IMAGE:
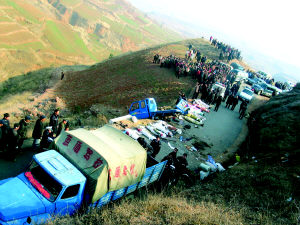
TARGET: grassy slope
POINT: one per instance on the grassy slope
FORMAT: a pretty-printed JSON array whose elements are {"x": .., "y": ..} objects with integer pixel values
[
  {"x": 32, "y": 82},
  {"x": 122, "y": 80}
]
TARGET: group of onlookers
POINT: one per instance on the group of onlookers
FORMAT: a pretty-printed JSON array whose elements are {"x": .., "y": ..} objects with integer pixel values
[
  {"x": 227, "y": 52},
  {"x": 12, "y": 138}
]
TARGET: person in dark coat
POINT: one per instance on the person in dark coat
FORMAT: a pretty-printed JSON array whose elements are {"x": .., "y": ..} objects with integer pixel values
[
  {"x": 243, "y": 108},
  {"x": 226, "y": 94},
  {"x": 229, "y": 101},
  {"x": 171, "y": 157},
  {"x": 54, "y": 121},
  {"x": 235, "y": 101},
  {"x": 218, "y": 103},
  {"x": 155, "y": 144},
  {"x": 197, "y": 89},
  {"x": 5, "y": 130},
  {"x": 1, "y": 140},
  {"x": 62, "y": 75},
  {"x": 12, "y": 141},
  {"x": 243, "y": 105},
  {"x": 209, "y": 98},
  {"x": 23, "y": 130},
  {"x": 181, "y": 165},
  {"x": 204, "y": 92},
  {"x": 47, "y": 138},
  {"x": 61, "y": 126},
  {"x": 38, "y": 131}
]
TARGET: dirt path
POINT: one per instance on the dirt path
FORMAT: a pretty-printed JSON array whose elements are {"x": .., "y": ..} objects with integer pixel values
[
  {"x": 220, "y": 131},
  {"x": 223, "y": 130}
]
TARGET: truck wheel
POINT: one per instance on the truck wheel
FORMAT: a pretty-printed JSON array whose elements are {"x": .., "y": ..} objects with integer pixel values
[{"x": 259, "y": 93}]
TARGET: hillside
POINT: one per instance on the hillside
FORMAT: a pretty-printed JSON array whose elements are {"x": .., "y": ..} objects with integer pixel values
[
  {"x": 262, "y": 189},
  {"x": 41, "y": 33},
  {"x": 122, "y": 80},
  {"x": 101, "y": 91}
]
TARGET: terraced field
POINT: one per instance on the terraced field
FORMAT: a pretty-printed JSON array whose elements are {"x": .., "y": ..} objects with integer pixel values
[{"x": 37, "y": 34}]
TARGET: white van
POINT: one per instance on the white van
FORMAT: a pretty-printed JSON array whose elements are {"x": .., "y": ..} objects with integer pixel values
[
  {"x": 240, "y": 75},
  {"x": 219, "y": 86}
]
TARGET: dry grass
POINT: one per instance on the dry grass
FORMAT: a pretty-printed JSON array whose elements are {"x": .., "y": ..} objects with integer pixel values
[
  {"x": 122, "y": 80},
  {"x": 158, "y": 209}
]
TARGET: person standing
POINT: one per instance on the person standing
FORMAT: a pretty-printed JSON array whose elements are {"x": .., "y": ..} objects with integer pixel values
[
  {"x": 62, "y": 75},
  {"x": 218, "y": 103},
  {"x": 1, "y": 139},
  {"x": 155, "y": 144},
  {"x": 38, "y": 131},
  {"x": 171, "y": 157},
  {"x": 47, "y": 138},
  {"x": 181, "y": 165},
  {"x": 229, "y": 101},
  {"x": 54, "y": 121},
  {"x": 62, "y": 126},
  {"x": 243, "y": 105},
  {"x": 22, "y": 131},
  {"x": 235, "y": 101},
  {"x": 5, "y": 130},
  {"x": 12, "y": 141},
  {"x": 243, "y": 109},
  {"x": 196, "y": 93}
]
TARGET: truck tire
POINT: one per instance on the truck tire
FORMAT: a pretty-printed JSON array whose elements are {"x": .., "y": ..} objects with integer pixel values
[{"x": 259, "y": 92}]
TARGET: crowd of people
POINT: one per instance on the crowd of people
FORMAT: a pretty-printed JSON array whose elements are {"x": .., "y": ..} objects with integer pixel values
[
  {"x": 12, "y": 138},
  {"x": 206, "y": 74},
  {"x": 226, "y": 51}
]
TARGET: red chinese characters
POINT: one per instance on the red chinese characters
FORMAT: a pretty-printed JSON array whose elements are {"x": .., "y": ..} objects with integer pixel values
[
  {"x": 98, "y": 163},
  {"x": 68, "y": 140},
  {"x": 132, "y": 171},
  {"x": 125, "y": 171},
  {"x": 88, "y": 154},
  {"x": 77, "y": 147},
  {"x": 118, "y": 172}
]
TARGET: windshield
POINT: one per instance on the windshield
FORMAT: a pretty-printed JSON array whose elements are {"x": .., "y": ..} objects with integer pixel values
[
  {"x": 248, "y": 92},
  {"x": 43, "y": 182}
]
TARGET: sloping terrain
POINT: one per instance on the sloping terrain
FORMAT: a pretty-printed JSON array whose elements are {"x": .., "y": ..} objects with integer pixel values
[
  {"x": 121, "y": 80},
  {"x": 276, "y": 128},
  {"x": 42, "y": 33},
  {"x": 262, "y": 189}
]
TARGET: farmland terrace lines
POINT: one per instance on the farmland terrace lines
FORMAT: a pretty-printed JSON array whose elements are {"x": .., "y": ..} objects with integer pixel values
[
  {"x": 7, "y": 23},
  {"x": 13, "y": 32}
]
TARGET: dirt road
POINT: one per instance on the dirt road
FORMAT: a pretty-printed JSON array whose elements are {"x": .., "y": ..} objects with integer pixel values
[{"x": 220, "y": 131}]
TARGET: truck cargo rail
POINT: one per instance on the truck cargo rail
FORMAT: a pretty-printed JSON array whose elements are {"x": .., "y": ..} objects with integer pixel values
[{"x": 151, "y": 175}]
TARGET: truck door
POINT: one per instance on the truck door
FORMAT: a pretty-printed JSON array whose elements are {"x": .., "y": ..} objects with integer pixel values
[
  {"x": 143, "y": 110},
  {"x": 69, "y": 201},
  {"x": 139, "y": 110}
]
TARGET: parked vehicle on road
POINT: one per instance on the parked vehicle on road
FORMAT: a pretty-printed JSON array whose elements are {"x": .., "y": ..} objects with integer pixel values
[
  {"x": 266, "y": 92},
  {"x": 246, "y": 94},
  {"x": 220, "y": 87},
  {"x": 237, "y": 66},
  {"x": 257, "y": 89},
  {"x": 148, "y": 109},
  {"x": 252, "y": 81},
  {"x": 240, "y": 75}
]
